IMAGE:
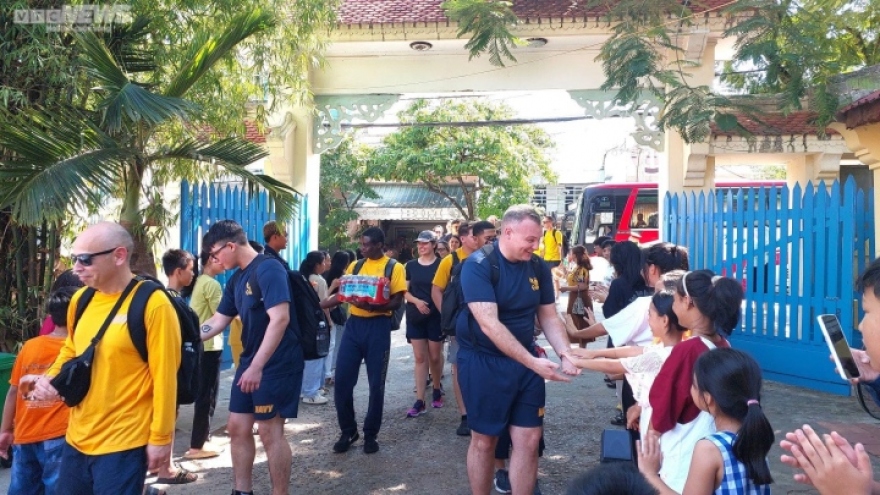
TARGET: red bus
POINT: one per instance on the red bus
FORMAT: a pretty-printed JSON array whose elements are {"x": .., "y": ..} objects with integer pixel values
[{"x": 628, "y": 210}]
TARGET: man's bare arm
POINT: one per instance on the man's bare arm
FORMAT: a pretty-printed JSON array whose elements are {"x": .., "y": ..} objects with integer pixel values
[
  {"x": 486, "y": 315},
  {"x": 437, "y": 296},
  {"x": 279, "y": 317},
  {"x": 554, "y": 332},
  {"x": 214, "y": 325}
]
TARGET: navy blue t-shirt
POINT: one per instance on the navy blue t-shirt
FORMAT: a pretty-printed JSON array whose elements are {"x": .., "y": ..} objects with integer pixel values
[
  {"x": 518, "y": 296},
  {"x": 239, "y": 298},
  {"x": 421, "y": 279}
]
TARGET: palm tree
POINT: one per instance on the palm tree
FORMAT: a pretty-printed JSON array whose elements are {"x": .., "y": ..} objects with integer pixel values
[{"x": 123, "y": 132}]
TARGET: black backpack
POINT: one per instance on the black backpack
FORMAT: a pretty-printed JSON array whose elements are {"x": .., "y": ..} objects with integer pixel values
[
  {"x": 453, "y": 298},
  {"x": 397, "y": 314},
  {"x": 189, "y": 372},
  {"x": 310, "y": 323}
]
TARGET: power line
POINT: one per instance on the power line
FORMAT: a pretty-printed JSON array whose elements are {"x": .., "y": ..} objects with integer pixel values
[{"x": 484, "y": 123}]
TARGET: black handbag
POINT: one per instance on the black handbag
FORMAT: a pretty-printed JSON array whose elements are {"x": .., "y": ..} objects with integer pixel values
[
  {"x": 75, "y": 378},
  {"x": 414, "y": 316},
  {"x": 337, "y": 316},
  {"x": 617, "y": 446}
]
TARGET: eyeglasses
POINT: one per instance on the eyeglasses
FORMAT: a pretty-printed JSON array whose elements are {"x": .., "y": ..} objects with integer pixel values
[
  {"x": 213, "y": 254},
  {"x": 86, "y": 259}
]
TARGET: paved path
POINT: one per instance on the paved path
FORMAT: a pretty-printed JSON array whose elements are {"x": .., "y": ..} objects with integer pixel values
[{"x": 424, "y": 455}]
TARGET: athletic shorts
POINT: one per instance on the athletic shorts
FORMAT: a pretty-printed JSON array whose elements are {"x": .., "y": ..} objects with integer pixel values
[
  {"x": 277, "y": 395},
  {"x": 499, "y": 392},
  {"x": 452, "y": 354},
  {"x": 429, "y": 328},
  {"x": 552, "y": 264}
]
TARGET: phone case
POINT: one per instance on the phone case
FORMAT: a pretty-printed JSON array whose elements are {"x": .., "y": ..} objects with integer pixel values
[{"x": 830, "y": 343}]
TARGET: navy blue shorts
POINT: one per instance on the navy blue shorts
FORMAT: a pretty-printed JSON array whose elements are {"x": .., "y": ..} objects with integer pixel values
[
  {"x": 429, "y": 328},
  {"x": 121, "y": 473},
  {"x": 499, "y": 392},
  {"x": 276, "y": 395}
]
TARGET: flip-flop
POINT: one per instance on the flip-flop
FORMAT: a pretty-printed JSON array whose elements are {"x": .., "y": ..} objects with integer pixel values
[
  {"x": 181, "y": 478},
  {"x": 201, "y": 454}
]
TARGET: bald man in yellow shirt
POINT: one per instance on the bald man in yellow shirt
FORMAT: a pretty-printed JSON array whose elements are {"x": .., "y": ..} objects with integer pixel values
[{"x": 124, "y": 425}]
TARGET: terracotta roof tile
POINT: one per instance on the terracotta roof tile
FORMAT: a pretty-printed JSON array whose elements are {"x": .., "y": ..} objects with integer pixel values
[
  {"x": 391, "y": 11},
  {"x": 252, "y": 134},
  {"x": 797, "y": 123},
  {"x": 871, "y": 97}
]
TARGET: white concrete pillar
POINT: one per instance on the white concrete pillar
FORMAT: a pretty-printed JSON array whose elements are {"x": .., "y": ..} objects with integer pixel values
[{"x": 306, "y": 168}]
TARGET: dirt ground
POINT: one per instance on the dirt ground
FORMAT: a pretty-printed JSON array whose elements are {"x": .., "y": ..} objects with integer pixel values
[
  {"x": 418, "y": 455},
  {"x": 423, "y": 455}
]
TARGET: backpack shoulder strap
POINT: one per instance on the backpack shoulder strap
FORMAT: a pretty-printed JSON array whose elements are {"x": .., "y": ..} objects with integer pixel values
[
  {"x": 492, "y": 256},
  {"x": 137, "y": 310},
  {"x": 358, "y": 266},
  {"x": 455, "y": 259},
  {"x": 389, "y": 268},
  {"x": 536, "y": 261},
  {"x": 84, "y": 299}
]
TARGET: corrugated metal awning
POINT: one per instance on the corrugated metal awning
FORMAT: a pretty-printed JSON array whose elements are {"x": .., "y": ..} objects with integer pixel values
[{"x": 409, "y": 202}]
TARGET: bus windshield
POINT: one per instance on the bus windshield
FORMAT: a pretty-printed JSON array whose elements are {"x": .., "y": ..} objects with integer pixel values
[{"x": 627, "y": 211}]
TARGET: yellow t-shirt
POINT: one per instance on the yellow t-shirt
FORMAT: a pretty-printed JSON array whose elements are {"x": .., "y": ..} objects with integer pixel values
[
  {"x": 550, "y": 244},
  {"x": 130, "y": 403},
  {"x": 376, "y": 268},
  {"x": 204, "y": 301},
  {"x": 444, "y": 269}
]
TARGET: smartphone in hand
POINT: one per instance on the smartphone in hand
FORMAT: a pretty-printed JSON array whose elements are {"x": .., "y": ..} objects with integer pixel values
[{"x": 840, "y": 351}]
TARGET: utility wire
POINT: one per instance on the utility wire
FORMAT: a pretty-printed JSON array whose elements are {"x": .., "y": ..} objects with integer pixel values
[{"x": 483, "y": 123}]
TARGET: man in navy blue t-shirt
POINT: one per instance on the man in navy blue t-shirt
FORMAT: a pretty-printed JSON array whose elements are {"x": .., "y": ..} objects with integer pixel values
[
  {"x": 267, "y": 382},
  {"x": 500, "y": 374}
]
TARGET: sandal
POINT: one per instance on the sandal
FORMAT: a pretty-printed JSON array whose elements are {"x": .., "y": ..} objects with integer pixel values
[
  {"x": 181, "y": 478},
  {"x": 201, "y": 454}
]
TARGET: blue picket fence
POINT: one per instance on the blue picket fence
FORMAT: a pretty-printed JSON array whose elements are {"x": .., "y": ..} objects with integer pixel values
[
  {"x": 797, "y": 253},
  {"x": 203, "y": 204}
]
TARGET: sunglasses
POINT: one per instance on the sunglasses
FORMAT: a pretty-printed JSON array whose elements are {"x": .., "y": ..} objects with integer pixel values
[{"x": 86, "y": 259}]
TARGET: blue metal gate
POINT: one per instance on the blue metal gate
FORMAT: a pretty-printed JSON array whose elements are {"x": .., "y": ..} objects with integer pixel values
[
  {"x": 203, "y": 204},
  {"x": 797, "y": 253}
]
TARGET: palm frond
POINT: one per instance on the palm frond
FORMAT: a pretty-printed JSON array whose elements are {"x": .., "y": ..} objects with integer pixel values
[
  {"x": 216, "y": 47},
  {"x": 125, "y": 99},
  {"x": 233, "y": 155},
  {"x": 233, "y": 151},
  {"x": 127, "y": 43},
  {"x": 60, "y": 162}
]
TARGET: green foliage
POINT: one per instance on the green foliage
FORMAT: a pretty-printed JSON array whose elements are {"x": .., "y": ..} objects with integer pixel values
[
  {"x": 493, "y": 165},
  {"x": 344, "y": 182},
  {"x": 794, "y": 48},
  {"x": 125, "y": 134},
  {"x": 490, "y": 23}
]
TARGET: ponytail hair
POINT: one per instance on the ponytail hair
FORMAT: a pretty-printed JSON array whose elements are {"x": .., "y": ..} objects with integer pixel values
[
  {"x": 733, "y": 379},
  {"x": 313, "y": 259},
  {"x": 666, "y": 257},
  {"x": 717, "y": 298}
]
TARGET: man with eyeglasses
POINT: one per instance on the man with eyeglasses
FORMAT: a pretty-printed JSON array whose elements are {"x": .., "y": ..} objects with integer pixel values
[
  {"x": 124, "y": 425},
  {"x": 267, "y": 383},
  {"x": 275, "y": 236}
]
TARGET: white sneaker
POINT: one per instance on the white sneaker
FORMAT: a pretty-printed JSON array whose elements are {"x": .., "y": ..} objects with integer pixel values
[{"x": 316, "y": 400}]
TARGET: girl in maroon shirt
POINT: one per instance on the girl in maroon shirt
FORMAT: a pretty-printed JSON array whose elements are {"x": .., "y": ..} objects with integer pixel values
[{"x": 709, "y": 306}]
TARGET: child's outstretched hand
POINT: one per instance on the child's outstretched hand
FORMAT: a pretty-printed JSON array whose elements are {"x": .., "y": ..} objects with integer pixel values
[
  {"x": 833, "y": 466},
  {"x": 649, "y": 454}
]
